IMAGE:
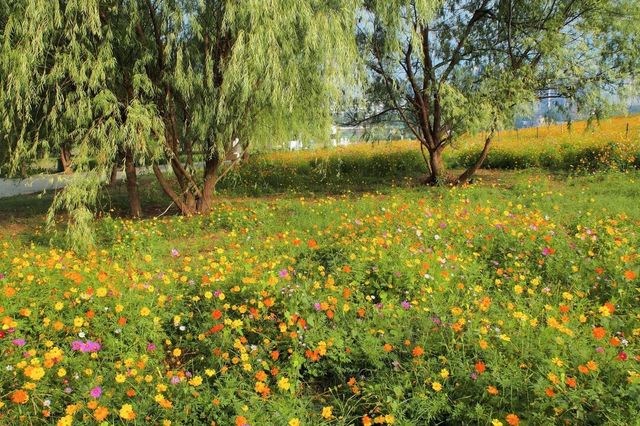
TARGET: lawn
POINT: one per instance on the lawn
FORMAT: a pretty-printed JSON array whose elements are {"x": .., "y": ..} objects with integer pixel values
[{"x": 514, "y": 300}]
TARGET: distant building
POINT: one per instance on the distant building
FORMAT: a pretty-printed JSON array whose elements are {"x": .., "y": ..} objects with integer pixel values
[{"x": 295, "y": 145}]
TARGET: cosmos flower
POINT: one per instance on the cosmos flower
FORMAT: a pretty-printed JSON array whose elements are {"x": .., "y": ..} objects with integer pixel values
[
  {"x": 88, "y": 346},
  {"x": 96, "y": 392}
]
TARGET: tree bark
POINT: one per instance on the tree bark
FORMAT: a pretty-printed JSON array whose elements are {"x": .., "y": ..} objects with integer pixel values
[
  {"x": 135, "y": 209},
  {"x": 464, "y": 177},
  {"x": 436, "y": 164},
  {"x": 210, "y": 179},
  {"x": 114, "y": 175},
  {"x": 166, "y": 187},
  {"x": 206, "y": 201},
  {"x": 65, "y": 160}
]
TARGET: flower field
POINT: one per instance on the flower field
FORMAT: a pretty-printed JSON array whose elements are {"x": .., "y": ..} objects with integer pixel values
[
  {"x": 479, "y": 305},
  {"x": 607, "y": 146}
]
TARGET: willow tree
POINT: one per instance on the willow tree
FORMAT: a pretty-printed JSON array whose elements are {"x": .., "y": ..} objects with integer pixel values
[
  {"x": 182, "y": 82},
  {"x": 64, "y": 90},
  {"x": 457, "y": 66},
  {"x": 255, "y": 72}
]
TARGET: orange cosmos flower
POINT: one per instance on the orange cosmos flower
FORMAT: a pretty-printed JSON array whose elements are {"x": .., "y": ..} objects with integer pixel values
[
  {"x": 480, "y": 367},
  {"x": 101, "y": 413},
  {"x": 492, "y": 390},
  {"x": 417, "y": 351},
  {"x": 513, "y": 420},
  {"x": 20, "y": 397},
  {"x": 630, "y": 275},
  {"x": 610, "y": 307},
  {"x": 599, "y": 332}
]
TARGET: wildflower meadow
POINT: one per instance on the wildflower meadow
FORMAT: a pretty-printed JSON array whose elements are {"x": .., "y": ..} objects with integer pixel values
[
  {"x": 476, "y": 305},
  {"x": 319, "y": 213}
]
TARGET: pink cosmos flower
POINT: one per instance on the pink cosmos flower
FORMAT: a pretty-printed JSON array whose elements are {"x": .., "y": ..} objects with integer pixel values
[
  {"x": 96, "y": 392},
  {"x": 88, "y": 346}
]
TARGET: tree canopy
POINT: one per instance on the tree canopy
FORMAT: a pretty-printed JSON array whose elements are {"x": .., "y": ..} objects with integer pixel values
[
  {"x": 456, "y": 66},
  {"x": 174, "y": 81}
]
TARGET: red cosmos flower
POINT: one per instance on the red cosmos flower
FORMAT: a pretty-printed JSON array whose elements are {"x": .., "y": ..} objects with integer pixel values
[
  {"x": 216, "y": 328},
  {"x": 216, "y": 315},
  {"x": 622, "y": 356},
  {"x": 312, "y": 355},
  {"x": 480, "y": 367}
]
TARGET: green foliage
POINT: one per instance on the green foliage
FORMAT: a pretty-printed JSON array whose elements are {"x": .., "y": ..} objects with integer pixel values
[
  {"x": 447, "y": 68},
  {"x": 164, "y": 79}
]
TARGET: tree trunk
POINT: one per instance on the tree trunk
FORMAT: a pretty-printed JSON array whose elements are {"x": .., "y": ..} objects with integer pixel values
[
  {"x": 166, "y": 187},
  {"x": 135, "y": 208},
  {"x": 205, "y": 202},
  {"x": 464, "y": 177},
  {"x": 437, "y": 167},
  {"x": 65, "y": 159},
  {"x": 114, "y": 175}
]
